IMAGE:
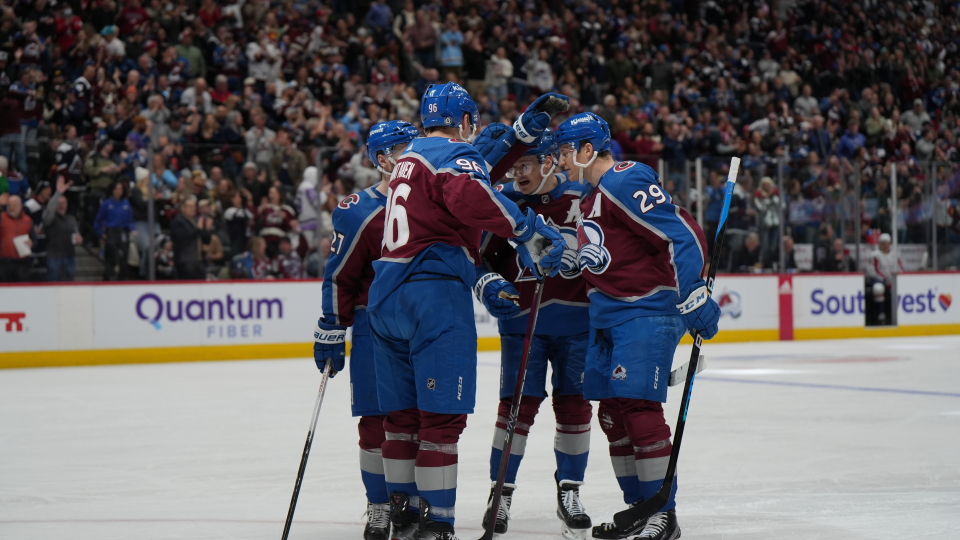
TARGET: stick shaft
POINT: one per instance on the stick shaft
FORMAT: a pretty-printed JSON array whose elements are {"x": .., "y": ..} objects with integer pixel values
[
  {"x": 514, "y": 411},
  {"x": 306, "y": 448}
]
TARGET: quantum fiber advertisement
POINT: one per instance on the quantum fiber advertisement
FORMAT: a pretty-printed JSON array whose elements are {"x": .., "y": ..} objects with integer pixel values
[{"x": 135, "y": 316}]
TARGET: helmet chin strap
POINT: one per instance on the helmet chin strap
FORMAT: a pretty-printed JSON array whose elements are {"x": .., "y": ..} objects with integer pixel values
[
  {"x": 389, "y": 155},
  {"x": 581, "y": 166},
  {"x": 543, "y": 177},
  {"x": 473, "y": 133}
]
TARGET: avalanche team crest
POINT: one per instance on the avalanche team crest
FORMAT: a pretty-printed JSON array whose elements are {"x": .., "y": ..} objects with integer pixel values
[
  {"x": 622, "y": 166},
  {"x": 593, "y": 256},
  {"x": 730, "y": 305},
  {"x": 619, "y": 373}
]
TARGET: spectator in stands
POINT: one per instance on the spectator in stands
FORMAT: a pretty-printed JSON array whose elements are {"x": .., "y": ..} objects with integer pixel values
[
  {"x": 789, "y": 258},
  {"x": 62, "y": 235},
  {"x": 16, "y": 231},
  {"x": 115, "y": 226},
  {"x": 287, "y": 263},
  {"x": 841, "y": 261},
  {"x": 275, "y": 220},
  {"x": 451, "y": 54},
  {"x": 288, "y": 163},
  {"x": 823, "y": 249},
  {"x": 164, "y": 257},
  {"x": 748, "y": 259},
  {"x": 253, "y": 263},
  {"x": 259, "y": 140},
  {"x": 187, "y": 234},
  {"x": 769, "y": 211},
  {"x": 916, "y": 117}
]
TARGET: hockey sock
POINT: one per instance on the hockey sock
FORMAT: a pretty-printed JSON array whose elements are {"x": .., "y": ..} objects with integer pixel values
[
  {"x": 650, "y": 436},
  {"x": 436, "y": 465},
  {"x": 371, "y": 458},
  {"x": 399, "y": 450},
  {"x": 529, "y": 405},
  {"x": 572, "y": 441},
  {"x": 621, "y": 451}
]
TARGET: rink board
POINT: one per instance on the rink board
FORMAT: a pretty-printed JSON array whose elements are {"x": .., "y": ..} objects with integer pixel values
[{"x": 142, "y": 322}]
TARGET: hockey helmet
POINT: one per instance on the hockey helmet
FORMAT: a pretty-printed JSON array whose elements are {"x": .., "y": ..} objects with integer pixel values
[
  {"x": 385, "y": 135},
  {"x": 444, "y": 105}
]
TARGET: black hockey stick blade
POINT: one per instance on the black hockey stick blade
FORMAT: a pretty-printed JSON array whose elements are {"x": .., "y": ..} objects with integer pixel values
[
  {"x": 679, "y": 375},
  {"x": 553, "y": 105},
  {"x": 632, "y": 516}
]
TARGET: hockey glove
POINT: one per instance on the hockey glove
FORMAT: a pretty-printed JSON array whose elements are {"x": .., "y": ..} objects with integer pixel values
[
  {"x": 329, "y": 341},
  {"x": 700, "y": 313},
  {"x": 536, "y": 118},
  {"x": 540, "y": 247},
  {"x": 498, "y": 295},
  {"x": 494, "y": 142}
]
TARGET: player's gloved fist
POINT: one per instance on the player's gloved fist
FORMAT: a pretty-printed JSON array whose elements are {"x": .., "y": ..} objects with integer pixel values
[
  {"x": 569, "y": 263},
  {"x": 329, "y": 341},
  {"x": 593, "y": 257},
  {"x": 536, "y": 118},
  {"x": 498, "y": 295},
  {"x": 494, "y": 142},
  {"x": 701, "y": 313},
  {"x": 540, "y": 247}
]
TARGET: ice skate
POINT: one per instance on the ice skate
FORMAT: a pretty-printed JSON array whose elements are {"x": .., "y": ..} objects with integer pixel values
[
  {"x": 661, "y": 526},
  {"x": 433, "y": 530},
  {"x": 378, "y": 522},
  {"x": 403, "y": 520},
  {"x": 576, "y": 522},
  {"x": 503, "y": 515},
  {"x": 610, "y": 531}
]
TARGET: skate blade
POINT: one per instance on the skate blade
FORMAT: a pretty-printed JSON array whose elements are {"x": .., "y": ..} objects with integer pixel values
[{"x": 573, "y": 534}]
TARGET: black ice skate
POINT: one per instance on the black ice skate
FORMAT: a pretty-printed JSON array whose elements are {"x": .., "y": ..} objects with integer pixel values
[
  {"x": 609, "y": 531},
  {"x": 661, "y": 526},
  {"x": 576, "y": 522},
  {"x": 402, "y": 518},
  {"x": 503, "y": 515},
  {"x": 433, "y": 530},
  {"x": 378, "y": 522}
]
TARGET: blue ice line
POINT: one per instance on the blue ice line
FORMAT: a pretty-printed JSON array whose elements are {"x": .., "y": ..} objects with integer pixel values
[{"x": 833, "y": 386}]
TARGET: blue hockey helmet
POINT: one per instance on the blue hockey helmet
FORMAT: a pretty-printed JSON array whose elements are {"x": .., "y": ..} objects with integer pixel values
[
  {"x": 385, "y": 135},
  {"x": 584, "y": 127},
  {"x": 444, "y": 105},
  {"x": 548, "y": 147}
]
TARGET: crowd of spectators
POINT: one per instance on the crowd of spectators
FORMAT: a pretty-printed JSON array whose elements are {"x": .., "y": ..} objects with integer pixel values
[{"x": 223, "y": 111}]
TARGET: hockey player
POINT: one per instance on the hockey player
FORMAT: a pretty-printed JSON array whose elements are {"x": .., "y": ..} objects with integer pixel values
[
  {"x": 420, "y": 309},
  {"x": 643, "y": 259},
  {"x": 880, "y": 272},
  {"x": 358, "y": 233},
  {"x": 560, "y": 340}
]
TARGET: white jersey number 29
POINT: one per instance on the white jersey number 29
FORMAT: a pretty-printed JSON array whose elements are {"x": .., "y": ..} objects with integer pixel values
[
  {"x": 397, "y": 232},
  {"x": 657, "y": 194}
]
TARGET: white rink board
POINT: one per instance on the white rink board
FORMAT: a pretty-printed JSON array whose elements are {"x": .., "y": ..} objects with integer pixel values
[
  {"x": 828, "y": 301},
  {"x": 747, "y": 302},
  {"x": 928, "y": 299},
  {"x": 28, "y": 319}
]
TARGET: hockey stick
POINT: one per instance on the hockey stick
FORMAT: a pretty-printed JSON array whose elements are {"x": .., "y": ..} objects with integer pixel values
[
  {"x": 514, "y": 411},
  {"x": 306, "y": 448},
  {"x": 679, "y": 375},
  {"x": 628, "y": 518}
]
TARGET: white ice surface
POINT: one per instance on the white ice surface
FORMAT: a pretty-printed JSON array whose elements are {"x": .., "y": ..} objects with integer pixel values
[{"x": 210, "y": 450}]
